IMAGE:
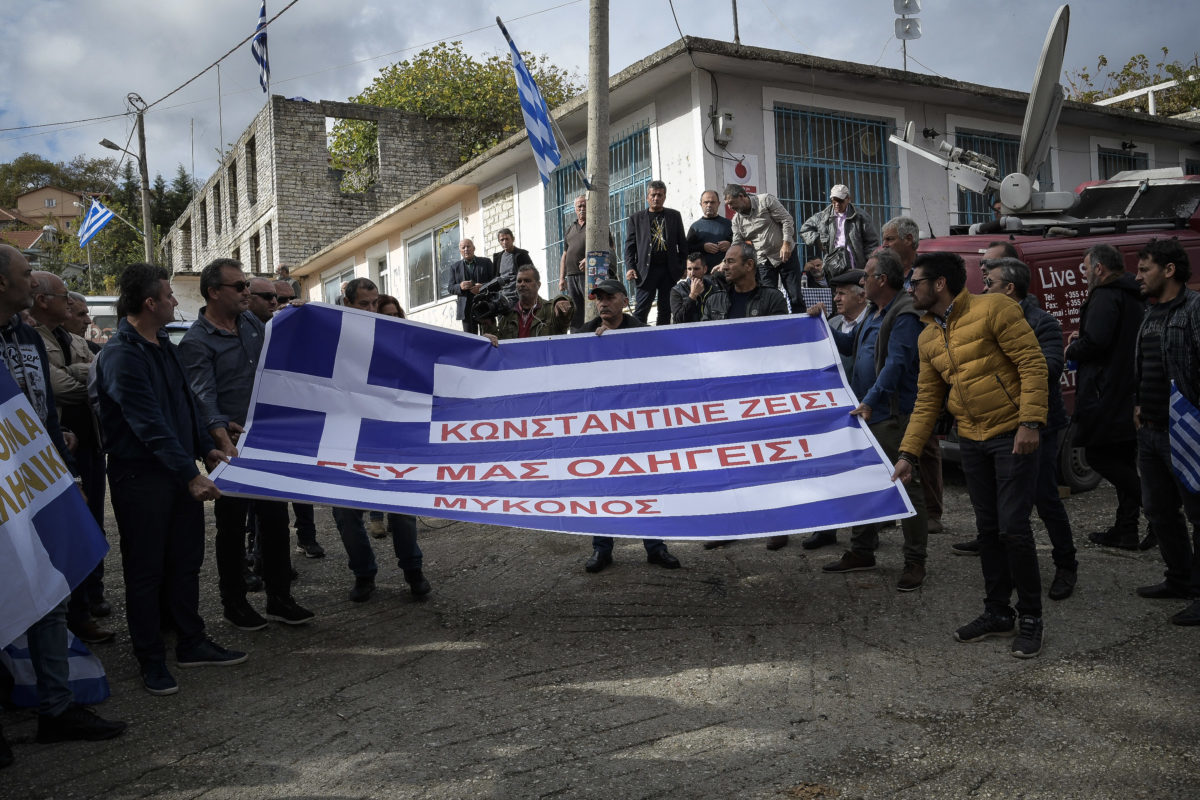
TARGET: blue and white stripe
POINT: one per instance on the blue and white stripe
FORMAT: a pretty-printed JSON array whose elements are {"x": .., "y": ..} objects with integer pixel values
[
  {"x": 258, "y": 48},
  {"x": 1185, "y": 440},
  {"x": 97, "y": 217},
  {"x": 722, "y": 430},
  {"x": 537, "y": 115}
]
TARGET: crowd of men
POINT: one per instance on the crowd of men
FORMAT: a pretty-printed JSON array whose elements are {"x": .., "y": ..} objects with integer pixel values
[{"x": 916, "y": 345}]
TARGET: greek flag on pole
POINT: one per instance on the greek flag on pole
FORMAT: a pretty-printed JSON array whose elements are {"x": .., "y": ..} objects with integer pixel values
[
  {"x": 93, "y": 222},
  {"x": 1185, "y": 440},
  {"x": 49, "y": 541},
  {"x": 711, "y": 430},
  {"x": 258, "y": 48},
  {"x": 537, "y": 116}
]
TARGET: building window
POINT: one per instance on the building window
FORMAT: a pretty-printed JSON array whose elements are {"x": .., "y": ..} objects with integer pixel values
[
  {"x": 1003, "y": 149},
  {"x": 51, "y": 202},
  {"x": 1110, "y": 161},
  {"x": 237, "y": 254},
  {"x": 1191, "y": 166},
  {"x": 185, "y": 245},
  {"x": 204, "y": 223},
  {"x": 333, "y": 286},
  {"x": 379, "y": 270},
  {"x": 629, "y": 171},
  {"x": 817, "y": 149},
  {"x": 216, "y": 196},
  {"x": 429, "y": 258},
  {"x": 251, "y": 171},
  {"x": 233, "y": 193},
  {"x": 255, "y": 256},
  {"x": 268, "y": 250}
]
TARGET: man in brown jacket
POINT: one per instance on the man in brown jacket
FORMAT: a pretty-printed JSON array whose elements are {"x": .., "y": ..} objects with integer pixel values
[{"x": 979, "y": 355}]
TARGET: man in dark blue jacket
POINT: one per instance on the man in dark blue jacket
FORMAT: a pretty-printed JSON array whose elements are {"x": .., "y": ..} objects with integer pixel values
[{"x": 149, "y": 421}]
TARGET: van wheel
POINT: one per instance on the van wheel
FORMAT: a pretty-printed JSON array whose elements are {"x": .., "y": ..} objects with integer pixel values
[{"x": 1073, "y": 470}]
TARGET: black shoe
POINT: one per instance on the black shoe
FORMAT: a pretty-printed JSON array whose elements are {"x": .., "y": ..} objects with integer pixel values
[
  {"x": 599, "y": 560},
  {"x": 1029, "y": 637},
  {"x": 1162, "y": 591},
  {"x": 1149, "y": 540},
  {"x": 76, "y": 724},
  {"x": 985, "y": 625},
  {"x": 310, "y": 549},
  {"x": 90, "y": 632},
  {"x": 253, "y": 582},
  {"x": 157, "y": 678},
  {"x": 101, "y": 608},
  {"x": 243, "y": 617},
  {"x": 713, "y": 544},
  {"x": 283, "y": 608},
  {"x": 6, "y": 753},
  {"x": 417, "y": 583},
  {"x": 777, "y": 542},
  {"x": 663, "y": 558},
  {"x": 967, "y": 548},
  {"x": 1189, "y": 616},
  {"x": 1063, "y": 584},
  {"x": 819, "y": 539},
  {"x": 209, "y": 654},
  {"x": 1114, "y": 538},
  {"x": 364, "y": 587}
]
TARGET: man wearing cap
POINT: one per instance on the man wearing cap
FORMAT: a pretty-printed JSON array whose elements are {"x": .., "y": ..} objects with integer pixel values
[
  {"x": 849, "y": 300},
  {"x": 655, "y": 248},
  {"x": 842, "y": 234},
  {"x": 764, "y": 223},
  {"x": 610, "y": 304}
]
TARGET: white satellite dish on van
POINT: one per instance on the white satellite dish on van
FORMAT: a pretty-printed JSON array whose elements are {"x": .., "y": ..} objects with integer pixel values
[{"x": 978, "y": 173}]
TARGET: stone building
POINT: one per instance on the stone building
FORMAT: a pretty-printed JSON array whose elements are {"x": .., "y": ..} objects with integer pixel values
[{"x": 275, "y": 199}]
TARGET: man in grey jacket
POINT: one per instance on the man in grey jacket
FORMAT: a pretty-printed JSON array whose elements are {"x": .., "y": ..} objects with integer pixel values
[
  {"x": 764, "y": 223},
  {"x": 844, "y": 235}
]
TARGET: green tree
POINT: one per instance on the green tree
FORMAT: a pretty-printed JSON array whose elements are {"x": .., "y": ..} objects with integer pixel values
[
  {"x": 1138, "y": 73},
  {"x": 445, "y": 81},
  {"x": 30, "y": 171}
]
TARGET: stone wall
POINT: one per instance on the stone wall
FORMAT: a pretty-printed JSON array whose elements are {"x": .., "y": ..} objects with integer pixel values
[{"x": 280, "y": 201}]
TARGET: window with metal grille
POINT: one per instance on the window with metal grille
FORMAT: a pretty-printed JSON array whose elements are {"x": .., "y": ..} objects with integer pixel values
[
  {"x": 1110, "y": 161},
  {"x": 1003, "y": 149},
  {"x": 814, "y": 150},
  {"x": 629, "y": 170},
  {"x": 430, "y": 256},
  {"x": 1191, "y": 166}
]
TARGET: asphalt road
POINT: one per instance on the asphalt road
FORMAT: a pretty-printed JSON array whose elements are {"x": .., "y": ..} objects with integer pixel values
[{"x": 745, "y": 674}]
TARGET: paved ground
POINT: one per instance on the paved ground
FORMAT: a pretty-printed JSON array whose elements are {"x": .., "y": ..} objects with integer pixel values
[{"x": 744, "y": 674}]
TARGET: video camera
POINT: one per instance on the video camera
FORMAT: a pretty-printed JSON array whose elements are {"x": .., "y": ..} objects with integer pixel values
[{"x": 491, "y": 301}]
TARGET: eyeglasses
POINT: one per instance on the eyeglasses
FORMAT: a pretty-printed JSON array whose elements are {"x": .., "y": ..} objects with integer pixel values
[
  {"x": 912, "y": 282},
  {"x": 268, "y": 296},
  {"x": 989, "y": 282},
  {"x": 237, "y": 286}
]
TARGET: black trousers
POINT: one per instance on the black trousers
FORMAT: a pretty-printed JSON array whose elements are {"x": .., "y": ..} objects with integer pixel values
[
  {"x": 657, "y": 284},
  {"x": 162, "y": 548},
  {"x": 272, "y": 520},
  {"x": 1117, "y": 463}
]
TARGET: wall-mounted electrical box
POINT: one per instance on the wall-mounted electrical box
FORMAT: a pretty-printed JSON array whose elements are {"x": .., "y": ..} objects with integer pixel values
[{"x": 723, "y": 126}]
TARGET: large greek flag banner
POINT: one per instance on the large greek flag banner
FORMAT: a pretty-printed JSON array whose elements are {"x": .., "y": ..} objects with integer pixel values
[
  {"x": 49, "y": 541},
  {"x": 711, "y": 430}
]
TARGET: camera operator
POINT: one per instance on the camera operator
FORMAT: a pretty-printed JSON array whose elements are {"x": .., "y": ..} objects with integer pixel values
[{"x": 532, "y": 316}]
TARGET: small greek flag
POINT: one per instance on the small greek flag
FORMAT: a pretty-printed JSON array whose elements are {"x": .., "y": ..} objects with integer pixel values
[
  {"x": 537, "y": 116},
  {"x": 85, "y": 673},
  {"x": 97, "y": 217},
  {"x": 259, "y": 49},
  {"x": 1185, "y": 440}
]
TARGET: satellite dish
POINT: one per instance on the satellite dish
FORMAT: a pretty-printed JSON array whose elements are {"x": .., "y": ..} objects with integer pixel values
[{"x": 1045, "y": 99}]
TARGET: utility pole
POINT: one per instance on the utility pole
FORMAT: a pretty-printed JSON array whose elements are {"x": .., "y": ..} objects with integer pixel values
[
  {"x": 597, "y": 142},
  {"x": 737, "y": 39},
  {"x": 138, "y": 103}
]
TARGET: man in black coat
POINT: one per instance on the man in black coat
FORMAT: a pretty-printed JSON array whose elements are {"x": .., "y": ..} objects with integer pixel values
[
  {"x": 655, "y": 249},
  {"x": 1105, "y": 386},
  {"x": 508, "y": 260},
  {"x": 467, "y": 277}
]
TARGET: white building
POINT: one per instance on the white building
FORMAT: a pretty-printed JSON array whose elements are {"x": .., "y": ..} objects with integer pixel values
[{"x": 799, "y": 125}]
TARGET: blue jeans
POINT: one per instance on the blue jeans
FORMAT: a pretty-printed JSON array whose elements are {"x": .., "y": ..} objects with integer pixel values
[
  {"x": 48, "y": 651},
  {"x": 358, "y": 545},
  {"x": 1050, "y": 506},
  {"x": 605, "y": 543},
  {"x": 1001, "y": 485},
  {"x": 1162, "y": 499}
]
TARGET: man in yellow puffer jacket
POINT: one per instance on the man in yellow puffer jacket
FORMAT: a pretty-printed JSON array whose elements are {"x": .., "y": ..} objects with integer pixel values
[{"x": 980, "y": 355}]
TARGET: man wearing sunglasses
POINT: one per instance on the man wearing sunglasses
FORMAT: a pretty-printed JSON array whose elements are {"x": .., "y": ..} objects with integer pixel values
[
  {"x": 263, "y": 299},
  {"x": 220, "y": 353}
]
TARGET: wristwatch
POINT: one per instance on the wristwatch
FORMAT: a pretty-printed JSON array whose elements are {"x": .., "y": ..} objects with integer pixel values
[{"x": 1033, "y": 426}]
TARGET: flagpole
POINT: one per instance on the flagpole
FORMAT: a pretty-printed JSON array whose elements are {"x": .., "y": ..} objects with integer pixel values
[
  {"x": 220, "y": 119},
  {"x": 553, "y": 122}
]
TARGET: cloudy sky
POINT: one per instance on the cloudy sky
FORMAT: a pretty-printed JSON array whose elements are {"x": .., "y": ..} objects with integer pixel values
[{"x": 66, "y": 60}]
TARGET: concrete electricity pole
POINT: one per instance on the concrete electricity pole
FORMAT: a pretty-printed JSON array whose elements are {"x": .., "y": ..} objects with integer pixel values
[
  {"x": 597, "y": 142},
  {"x": 140, "y": 105}
]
